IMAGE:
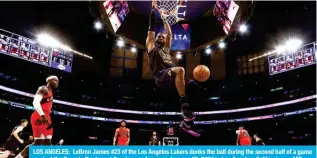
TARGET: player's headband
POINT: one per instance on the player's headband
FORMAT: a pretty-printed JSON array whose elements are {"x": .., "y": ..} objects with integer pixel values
[{"x": 51, "y": 78}]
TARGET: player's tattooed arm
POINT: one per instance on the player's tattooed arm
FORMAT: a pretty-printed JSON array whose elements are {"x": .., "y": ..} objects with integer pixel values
[
  {"x": 150, "y": 41},
  {"x": 115, "y": 136},
  {"x": 168, "y": 34}
]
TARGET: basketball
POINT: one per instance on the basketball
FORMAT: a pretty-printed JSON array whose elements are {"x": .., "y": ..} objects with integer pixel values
[{"x": 201, "y": 73}]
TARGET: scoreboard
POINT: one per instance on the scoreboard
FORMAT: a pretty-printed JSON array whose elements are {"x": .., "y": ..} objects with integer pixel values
[
  {"x": 27, "y": 49},
  {"x": 305, "y": 56}
]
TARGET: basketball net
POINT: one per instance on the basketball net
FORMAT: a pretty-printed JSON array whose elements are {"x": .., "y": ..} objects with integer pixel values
[{"x": 169, "y": 10}]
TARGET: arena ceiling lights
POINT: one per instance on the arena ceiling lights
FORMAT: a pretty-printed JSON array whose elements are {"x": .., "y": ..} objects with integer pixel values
[
  {"x": 289, "y": 46},
  {"x": 208, "y": 51},
  {"x": 179, "y": 55},
  {"x": 120, "y": 43},
  {"x": 222, "y": 45},
  {"x": 243, "y": 28},
  {"x": 133, "y": 49},
  {"x": 293, "y": 44},
  {"x": 98, "y": 25},
  {"x": 50, "y": 41}
]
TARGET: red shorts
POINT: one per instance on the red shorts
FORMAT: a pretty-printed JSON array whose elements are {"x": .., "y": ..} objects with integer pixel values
[
  {"x": 245, "y": 142},
  {"x": 40, "y": 130}
]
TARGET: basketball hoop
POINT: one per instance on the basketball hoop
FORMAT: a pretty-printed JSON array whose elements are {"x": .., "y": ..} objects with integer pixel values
[{"x": 169, "y": 10}]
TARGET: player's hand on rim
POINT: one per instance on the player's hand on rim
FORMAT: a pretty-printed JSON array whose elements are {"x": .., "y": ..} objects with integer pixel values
[{"x": 153, "y": 4}]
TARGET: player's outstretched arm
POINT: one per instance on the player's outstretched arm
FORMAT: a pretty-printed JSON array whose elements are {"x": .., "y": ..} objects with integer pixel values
[
  {"x": 168, "y": 33},
  {"x": 150, "y": 40}
]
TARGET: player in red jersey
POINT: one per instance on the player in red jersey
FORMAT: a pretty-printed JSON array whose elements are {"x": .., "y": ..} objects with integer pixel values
[
  {"x": 40, "y": 119},
  {"x": 122, "y": 134},
  {"x": 243, "y": 137}
]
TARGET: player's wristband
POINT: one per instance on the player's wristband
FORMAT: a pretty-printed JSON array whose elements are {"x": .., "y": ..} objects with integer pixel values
[{"x": 152, "y": 20}]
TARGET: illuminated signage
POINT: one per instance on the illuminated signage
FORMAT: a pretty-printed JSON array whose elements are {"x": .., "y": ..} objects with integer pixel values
[
  {"x": 181, "y": 36},
  {"x": 24, "y": 48},
  {"x": 287, "y": 61}
]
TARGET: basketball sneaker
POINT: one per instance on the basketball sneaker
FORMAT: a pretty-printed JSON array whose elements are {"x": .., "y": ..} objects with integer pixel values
[
  {"x": 187, "y": 124},
  {"x": 187, "y": 113}
]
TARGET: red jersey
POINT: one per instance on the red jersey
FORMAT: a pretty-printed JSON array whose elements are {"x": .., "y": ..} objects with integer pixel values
[
  {"x": 244, "y": 138},
  {"x": 123, "y": 135},
  {"x": 42, "y": 129},
  {"x": 47, "y": 102}
]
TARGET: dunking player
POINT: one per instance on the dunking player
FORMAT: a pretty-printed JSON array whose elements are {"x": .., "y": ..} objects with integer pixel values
[
  {"x": 122, "y": 134},
  {"x": 165, "y": 72},
  {"x": 40, "y": 119},
  {"x": 14, "y": 140},
  {"x": 243, "y": 137}
]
